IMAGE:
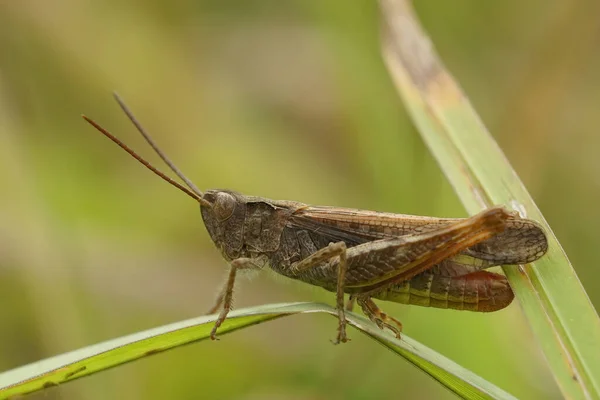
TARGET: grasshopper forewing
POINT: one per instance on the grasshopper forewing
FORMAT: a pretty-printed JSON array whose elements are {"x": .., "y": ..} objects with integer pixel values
[{"x": 433, "y": 262}]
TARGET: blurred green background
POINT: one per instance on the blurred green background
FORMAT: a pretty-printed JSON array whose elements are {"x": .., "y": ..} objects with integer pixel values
[{"x": 286, "y": 100}]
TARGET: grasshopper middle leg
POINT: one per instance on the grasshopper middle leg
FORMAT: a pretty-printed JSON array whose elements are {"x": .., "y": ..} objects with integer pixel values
[{"x": 318, "y": 258}]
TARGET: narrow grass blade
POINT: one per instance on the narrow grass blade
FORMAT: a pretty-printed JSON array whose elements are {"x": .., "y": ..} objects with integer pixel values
[
  {"x": 560, "y": 313},
  {"x": 89, "y": 360}
]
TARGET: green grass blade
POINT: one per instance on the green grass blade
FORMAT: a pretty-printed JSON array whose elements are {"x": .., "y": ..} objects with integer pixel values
[
  {"x": 89, "y": 360},
  {"x": 559, "y": 311}
]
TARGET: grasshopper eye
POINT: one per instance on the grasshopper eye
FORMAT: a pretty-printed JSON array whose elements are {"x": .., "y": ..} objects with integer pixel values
[{"x": 223, "y": 205}]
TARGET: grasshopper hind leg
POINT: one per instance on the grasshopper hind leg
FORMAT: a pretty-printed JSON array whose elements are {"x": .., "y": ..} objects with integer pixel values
[{"x": 379, "y": 317}]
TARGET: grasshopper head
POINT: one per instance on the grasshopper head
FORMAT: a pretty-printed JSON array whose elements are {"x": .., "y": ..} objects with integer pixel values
[{"x": 224, "y": 220}]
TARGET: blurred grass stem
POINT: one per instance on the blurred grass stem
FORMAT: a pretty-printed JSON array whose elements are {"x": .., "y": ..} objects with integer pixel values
[{"x": 558, "y": 309}]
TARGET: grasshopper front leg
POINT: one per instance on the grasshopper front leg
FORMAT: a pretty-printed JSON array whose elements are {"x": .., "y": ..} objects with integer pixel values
[
  {"x": 350, "y": 303},
  {"x": 318, "y": 258},
  {"x": 225, "y": 298}
]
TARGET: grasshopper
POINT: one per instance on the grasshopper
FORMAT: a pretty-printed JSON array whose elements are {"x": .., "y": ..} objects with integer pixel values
[{"x": 426, "y": 261}]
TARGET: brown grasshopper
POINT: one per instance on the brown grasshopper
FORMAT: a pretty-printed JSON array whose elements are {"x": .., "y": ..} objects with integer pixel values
[{"x": 432, "y": 262}]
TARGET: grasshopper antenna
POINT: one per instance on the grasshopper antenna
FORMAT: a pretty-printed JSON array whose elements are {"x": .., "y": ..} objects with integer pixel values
[
  {"x": 152, "y": 144},
  {"x": 195, "y": 194}
]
